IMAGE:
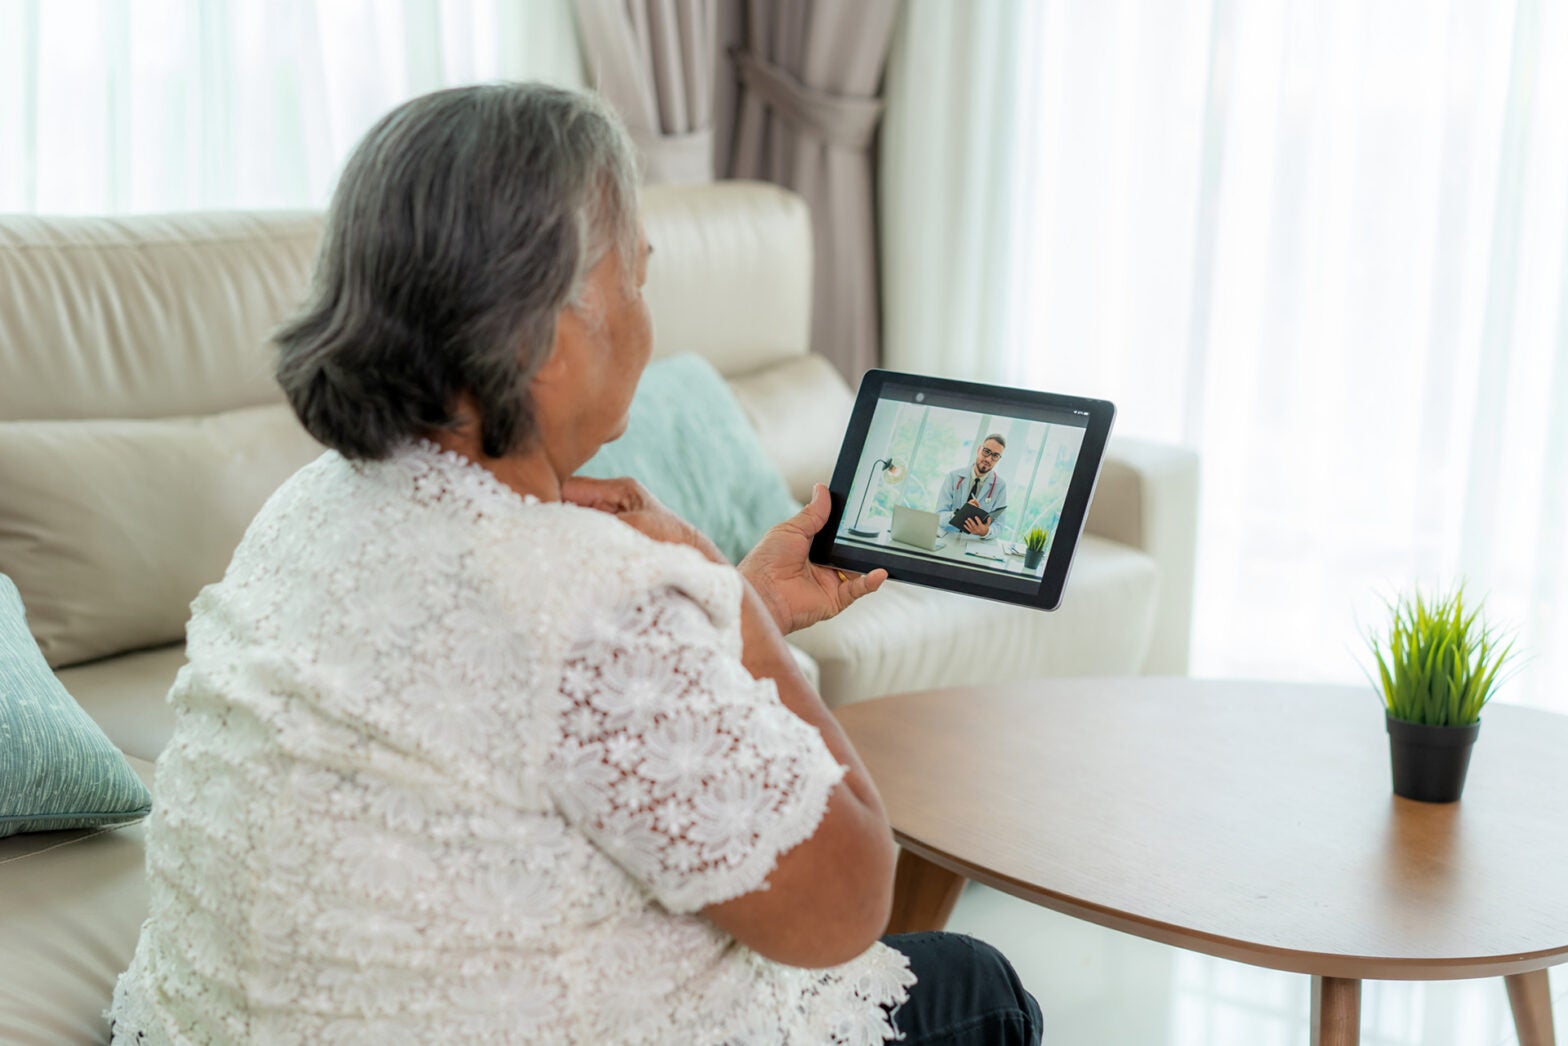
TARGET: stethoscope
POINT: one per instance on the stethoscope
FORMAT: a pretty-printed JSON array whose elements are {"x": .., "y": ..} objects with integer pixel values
[{"x": 989, "y": 490}]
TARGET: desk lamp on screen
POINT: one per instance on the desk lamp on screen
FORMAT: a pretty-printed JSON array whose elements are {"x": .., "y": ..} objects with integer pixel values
[{"x": 889, "y": 471}]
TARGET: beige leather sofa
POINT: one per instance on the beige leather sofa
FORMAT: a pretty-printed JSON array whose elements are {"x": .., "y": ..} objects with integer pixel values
[{"x": 140, "y": 429}]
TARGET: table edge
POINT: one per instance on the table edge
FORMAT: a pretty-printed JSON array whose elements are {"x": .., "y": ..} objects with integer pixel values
[{"x": 1273, "y": 957}]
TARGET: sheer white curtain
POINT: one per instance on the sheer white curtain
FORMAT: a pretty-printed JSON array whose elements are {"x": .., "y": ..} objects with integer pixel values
[
  {"x": 112, "y": 106},
  {"x": 1323, "y": 241}
]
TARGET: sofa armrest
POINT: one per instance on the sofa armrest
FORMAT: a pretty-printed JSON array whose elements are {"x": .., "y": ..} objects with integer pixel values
[{"x": 1147, "y": 497}]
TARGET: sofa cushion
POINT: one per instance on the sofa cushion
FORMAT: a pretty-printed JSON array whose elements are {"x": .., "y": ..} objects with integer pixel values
[
  {"x": 904, "y": 637},
  {"x": 74, "y": 904},
  {"x": 128, "y": 696},
  {"x": 800, "y": 409},
  {"x": 730, "y": 274},
  {"x": 110, "y": 528},
  {"x": 147, "y": 315},
  {"x": 57, "y": 769},
  {"x": 689, "y": 442}
]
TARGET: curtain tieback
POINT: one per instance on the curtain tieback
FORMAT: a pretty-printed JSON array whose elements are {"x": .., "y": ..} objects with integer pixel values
[{"x": 844, "y": 120}]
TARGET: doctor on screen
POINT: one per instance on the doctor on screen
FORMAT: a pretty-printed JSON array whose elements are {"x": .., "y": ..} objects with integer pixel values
[{"x": 977, "y": 485}]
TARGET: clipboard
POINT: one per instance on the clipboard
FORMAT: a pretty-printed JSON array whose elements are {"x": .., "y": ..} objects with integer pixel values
[{"x": 967, "y": 511}]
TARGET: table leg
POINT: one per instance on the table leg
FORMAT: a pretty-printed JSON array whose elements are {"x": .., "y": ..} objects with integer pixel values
[
  {"x": 1336, "y": 1011},
  {"x": 1530, "y": 997},
  {"x": 923, "y": 895}
]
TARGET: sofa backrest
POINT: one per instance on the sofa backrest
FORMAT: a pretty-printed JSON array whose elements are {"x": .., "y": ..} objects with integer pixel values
[
  {"x": 140, "y": 428},
  {"x": 168, "y": 315}
]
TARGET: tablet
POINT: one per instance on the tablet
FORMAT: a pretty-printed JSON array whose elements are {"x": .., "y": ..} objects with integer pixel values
[{"x": 941, "y": 482}]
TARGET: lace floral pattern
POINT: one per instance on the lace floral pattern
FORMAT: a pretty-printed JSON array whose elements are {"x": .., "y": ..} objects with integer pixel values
[
  {"x": 453, "y": 765},
  {"x": 677, "y": 763}
]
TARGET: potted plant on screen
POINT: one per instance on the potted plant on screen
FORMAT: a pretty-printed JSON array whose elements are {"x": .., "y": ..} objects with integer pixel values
[
  {"x": 1034, "y": 547},
  {"x": 1437, "y": 667}
]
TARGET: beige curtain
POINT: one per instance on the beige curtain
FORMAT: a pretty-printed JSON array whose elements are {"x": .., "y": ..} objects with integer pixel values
[
  {"x": 811, "y": 73},
  {"x": 654, "y": 61}
]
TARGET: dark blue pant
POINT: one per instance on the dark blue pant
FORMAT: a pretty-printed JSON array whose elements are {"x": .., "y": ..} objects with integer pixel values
[{"x": 966, "y": 994}]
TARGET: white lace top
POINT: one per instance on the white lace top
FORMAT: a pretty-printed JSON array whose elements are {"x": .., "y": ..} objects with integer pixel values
[{"x": 452, "y": 765}]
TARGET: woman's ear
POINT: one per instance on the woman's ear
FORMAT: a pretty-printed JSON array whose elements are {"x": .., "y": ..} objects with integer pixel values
[{"x": 557, "y": 366}]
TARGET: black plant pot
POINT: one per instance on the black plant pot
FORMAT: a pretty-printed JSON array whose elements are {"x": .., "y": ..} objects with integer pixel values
[
  {"x": 1032, "y": 557},
  {"x": 1429, "y": 762}
]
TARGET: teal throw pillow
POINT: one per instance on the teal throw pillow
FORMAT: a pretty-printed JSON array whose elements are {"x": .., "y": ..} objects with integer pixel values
[
  {"x": 57, "y": 769},
  {"x": 689, "y": 442}
]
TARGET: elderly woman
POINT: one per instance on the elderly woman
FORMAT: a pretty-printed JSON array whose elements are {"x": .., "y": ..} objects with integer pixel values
[{"x": 472, "y": 750}]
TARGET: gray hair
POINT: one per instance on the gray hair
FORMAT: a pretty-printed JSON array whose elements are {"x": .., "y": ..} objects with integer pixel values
[
  {"x": 464, "y": 222},
  {"x": 994, "y": 436}
]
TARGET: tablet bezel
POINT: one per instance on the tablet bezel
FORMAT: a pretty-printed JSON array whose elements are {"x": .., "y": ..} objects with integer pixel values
[{"x": 1046, "y": 594}]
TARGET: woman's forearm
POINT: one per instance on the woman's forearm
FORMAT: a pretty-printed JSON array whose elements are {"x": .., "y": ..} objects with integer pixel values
[
  {"x": 767, "y": 656},
  {"x": 829, "y": 898}
]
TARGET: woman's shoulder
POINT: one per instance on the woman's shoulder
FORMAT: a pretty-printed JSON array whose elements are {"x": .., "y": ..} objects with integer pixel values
[
  {"x": 560, "y": 551},
  {"x": 594, "y": 557},
  {"x": 424, "y": 510}
]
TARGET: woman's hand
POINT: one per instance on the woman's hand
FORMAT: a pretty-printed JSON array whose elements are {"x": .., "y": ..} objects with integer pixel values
[
  {"x": 631, "y": 502},
  {"x": 796, "y": 591}
]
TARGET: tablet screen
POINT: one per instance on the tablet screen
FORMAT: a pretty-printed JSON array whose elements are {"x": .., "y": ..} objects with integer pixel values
[{"x": 943, "y": 482}]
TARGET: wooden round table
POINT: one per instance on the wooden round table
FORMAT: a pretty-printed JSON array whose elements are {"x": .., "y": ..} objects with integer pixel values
[{"x": 1251, "y": 821}]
